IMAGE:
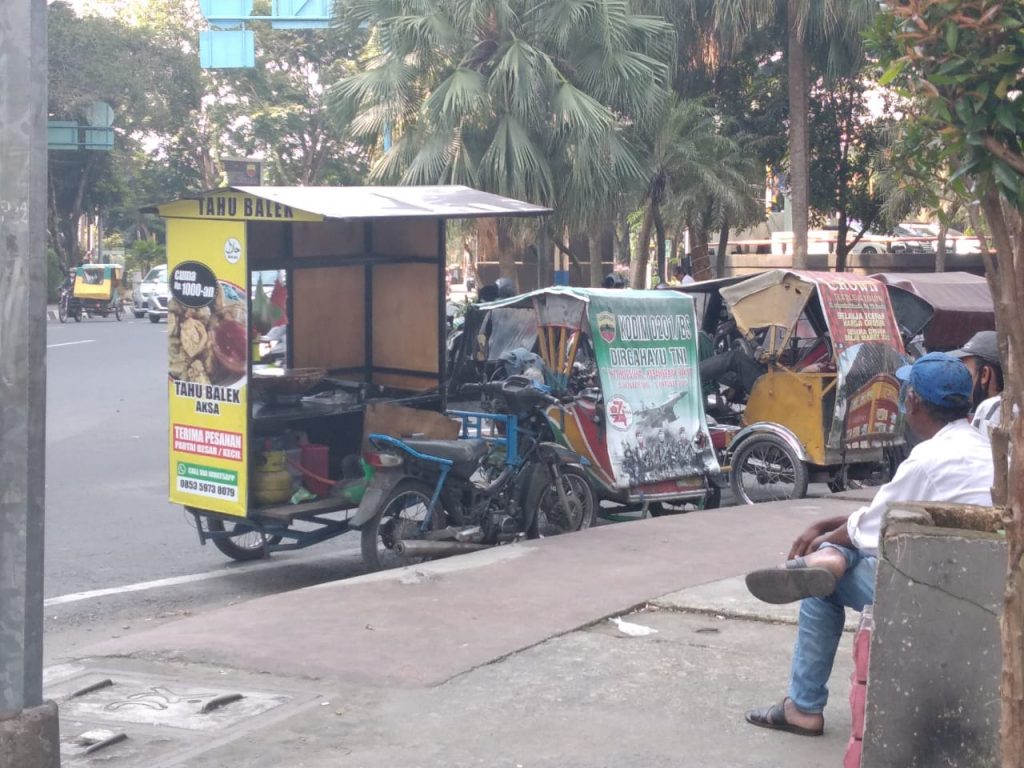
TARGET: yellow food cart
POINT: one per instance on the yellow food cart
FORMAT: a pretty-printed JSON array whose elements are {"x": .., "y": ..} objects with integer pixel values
[{"x": 291, "y": 309}]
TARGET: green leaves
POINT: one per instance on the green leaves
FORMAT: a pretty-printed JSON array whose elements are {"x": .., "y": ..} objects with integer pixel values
[
  {"x": 895, "y": 70},
  {"x": 531, "y": 98},
  {"x": 964, "y": 64}
]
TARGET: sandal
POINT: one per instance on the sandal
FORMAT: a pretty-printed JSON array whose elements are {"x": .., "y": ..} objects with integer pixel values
[
  {"x": 789, "y": 584},
  {"x": 774, "y": 718}
]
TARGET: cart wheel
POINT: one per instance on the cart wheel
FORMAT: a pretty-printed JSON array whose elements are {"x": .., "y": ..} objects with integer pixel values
[
  {"x": 118, "y": 312},
  {"x": 247, "y": 545},
  {"x": 549, "y": 518},
  {"x": 765, "y": 468},
  {"x": 399, "y": 518},
  {"x": 62, "y": 310}
]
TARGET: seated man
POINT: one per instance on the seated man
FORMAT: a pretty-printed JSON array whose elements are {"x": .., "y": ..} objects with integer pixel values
[{"x": 832, "y": 564}]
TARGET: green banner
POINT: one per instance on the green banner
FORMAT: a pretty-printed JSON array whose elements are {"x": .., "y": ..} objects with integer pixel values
[
  {"x": 646, "y": 348},
  {"x": 210, "y": 474}
]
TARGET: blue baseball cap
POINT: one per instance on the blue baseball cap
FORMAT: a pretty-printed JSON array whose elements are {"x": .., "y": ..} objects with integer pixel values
[{"x": 939, "y": 378}]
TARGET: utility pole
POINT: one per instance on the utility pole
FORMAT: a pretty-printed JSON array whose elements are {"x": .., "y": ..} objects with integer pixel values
[{"x": 29, "y": 730}]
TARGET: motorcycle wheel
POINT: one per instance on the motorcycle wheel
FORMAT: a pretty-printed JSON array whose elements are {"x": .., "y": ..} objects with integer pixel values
[
  {"x": 247, "y": 545},
  {"x": 62, "y": 310},
  {"x": 118, "y": 312},
  {"x": 399, "y": 517},
  {"x": 549, "y": 518}
]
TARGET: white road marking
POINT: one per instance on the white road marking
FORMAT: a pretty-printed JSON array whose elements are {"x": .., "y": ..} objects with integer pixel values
[
  {"x": 70, "y": 343},
  {"x": 173, "y": 581}
]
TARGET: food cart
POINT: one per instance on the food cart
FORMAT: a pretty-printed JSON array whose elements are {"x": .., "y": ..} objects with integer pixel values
[{"x": 264, "y": 455}]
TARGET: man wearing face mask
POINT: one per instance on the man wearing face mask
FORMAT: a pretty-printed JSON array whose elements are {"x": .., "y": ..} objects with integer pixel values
[
  {"x": 981, "y": 356},
  {"x": 832, "y": 564}
]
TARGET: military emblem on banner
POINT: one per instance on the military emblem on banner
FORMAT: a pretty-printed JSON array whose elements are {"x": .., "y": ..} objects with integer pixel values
[{"x": 606, "y": 326}]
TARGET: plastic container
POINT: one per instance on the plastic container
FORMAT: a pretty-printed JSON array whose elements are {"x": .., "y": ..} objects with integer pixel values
[{"x": 316, "y": 461}]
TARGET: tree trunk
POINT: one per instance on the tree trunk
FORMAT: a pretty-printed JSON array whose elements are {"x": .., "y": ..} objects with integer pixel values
[
  {"x": 723, "y": 246},
  {"x": 940, "y": 248},
  {"x": 799, "y": 174},
  {"x": 1005, "y": 275},
  {"x": 659, "y": 246},
  {"x": 625, "y": 231},
  {"x": 638, "y": 273},
  {"x": 506, "y": 251},
  {"x": 596, "y": 267},
  {"x": 699, "y": 251},
  {"x": 842, "y": 248}
]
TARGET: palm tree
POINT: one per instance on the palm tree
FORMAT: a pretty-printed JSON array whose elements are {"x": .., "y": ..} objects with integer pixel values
[
  {"x": 699, "y": 177},
  {"x": 823, "y": 32},
  {"x": 534, "y": 100}
]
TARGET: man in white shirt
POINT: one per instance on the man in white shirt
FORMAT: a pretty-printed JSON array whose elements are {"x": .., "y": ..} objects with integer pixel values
[
  {"x": 832, "y": 564},
  {"x": 981, "y": 356}
]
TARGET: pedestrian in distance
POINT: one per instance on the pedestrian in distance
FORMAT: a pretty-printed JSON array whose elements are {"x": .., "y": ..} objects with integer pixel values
[
  {"x": 832, "y": 565},
  {"x": 981, "y": 356}
]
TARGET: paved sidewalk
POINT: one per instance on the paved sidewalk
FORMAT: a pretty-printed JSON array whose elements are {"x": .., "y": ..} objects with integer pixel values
[{"x": 498, "y": 658}]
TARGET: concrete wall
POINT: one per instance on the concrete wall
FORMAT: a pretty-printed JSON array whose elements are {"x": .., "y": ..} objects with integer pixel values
[
  {"x": 865, "y": 264},
  {"x": 933, "y": 680}
]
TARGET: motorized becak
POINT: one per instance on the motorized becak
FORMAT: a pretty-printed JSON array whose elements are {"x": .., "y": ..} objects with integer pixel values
[
  {"x": 803, "y": 364},
  {"x": 961, "y": 304},
  {"x": 92, "y": 290},
  {"x": 625, "y": 362}
]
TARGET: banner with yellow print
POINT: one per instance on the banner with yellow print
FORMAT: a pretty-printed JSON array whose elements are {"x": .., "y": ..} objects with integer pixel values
[{"x": 208, "y": 348}]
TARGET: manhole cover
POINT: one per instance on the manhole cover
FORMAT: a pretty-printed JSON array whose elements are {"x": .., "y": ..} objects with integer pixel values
[{"x": 145, "y": 700}]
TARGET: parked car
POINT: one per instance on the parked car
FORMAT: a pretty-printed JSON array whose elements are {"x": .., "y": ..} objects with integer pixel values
[
  {"x": 149, "y": 297},
  {"x": 956, "y": 241}
]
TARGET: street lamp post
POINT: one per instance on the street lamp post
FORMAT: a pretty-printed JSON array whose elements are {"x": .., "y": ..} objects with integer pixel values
[{"x": 29, "y": 733}]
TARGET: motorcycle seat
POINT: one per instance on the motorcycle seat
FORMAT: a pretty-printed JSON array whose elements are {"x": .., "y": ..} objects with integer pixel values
[{"x": 458, "y": 451}]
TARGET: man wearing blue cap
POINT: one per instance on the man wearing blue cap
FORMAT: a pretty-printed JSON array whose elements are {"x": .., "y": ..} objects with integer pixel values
[{"x": 832, "y": 565}]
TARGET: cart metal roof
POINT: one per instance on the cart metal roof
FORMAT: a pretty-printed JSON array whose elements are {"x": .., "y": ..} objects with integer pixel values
[{"x": 369, "y": 202}]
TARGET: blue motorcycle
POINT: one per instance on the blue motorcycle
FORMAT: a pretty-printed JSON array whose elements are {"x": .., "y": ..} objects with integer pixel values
[{"x": 500, "y": 482}]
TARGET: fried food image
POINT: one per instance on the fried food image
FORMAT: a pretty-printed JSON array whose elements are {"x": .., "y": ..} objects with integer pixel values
[
  {"x": 194, "y": 337},
  {"x": 191, "y": 331}
]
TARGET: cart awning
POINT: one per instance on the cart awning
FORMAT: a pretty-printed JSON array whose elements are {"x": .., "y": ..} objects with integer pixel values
[{"x": 446, "y": 202}]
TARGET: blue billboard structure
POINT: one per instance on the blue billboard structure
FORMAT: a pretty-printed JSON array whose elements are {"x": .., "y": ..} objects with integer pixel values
[{"x": 228, "y": 44}]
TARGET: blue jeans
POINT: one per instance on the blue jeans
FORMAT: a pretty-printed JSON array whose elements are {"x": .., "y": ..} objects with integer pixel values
[{"x": 821, "y": 627}]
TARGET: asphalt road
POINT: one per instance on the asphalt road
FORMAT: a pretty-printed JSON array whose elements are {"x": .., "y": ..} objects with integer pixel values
[{"x": 119, "y": 556}]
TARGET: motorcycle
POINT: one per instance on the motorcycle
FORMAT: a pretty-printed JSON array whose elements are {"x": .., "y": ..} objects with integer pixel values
[{"x": 435, "y": 498}]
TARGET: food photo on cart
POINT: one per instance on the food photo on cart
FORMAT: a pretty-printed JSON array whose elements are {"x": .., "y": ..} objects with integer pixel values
[{"x": 307, "y": 401}]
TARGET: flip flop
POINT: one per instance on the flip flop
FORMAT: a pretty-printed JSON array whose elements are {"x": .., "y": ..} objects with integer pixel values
[
  {"x": 787, "y": 585},
  {"x": 774, "y": 717}
]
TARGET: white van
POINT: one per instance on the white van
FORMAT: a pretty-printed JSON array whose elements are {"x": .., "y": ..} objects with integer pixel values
[{"x": 149, "y": 297}]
